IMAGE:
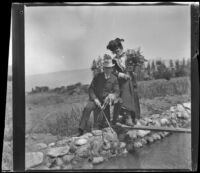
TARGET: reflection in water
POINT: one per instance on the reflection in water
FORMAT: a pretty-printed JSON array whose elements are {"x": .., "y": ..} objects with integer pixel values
[{"x": 172, "y": 152}]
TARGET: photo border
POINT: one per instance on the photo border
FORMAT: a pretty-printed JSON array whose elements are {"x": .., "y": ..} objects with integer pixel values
[{"x": 18, "y": 39}]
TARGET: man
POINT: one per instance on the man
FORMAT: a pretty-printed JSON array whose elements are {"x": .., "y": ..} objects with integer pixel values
[{"x": 104, "y": 88}]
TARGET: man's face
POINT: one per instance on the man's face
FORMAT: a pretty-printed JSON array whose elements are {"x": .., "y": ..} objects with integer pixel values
[{"x": 108, "y": 70}]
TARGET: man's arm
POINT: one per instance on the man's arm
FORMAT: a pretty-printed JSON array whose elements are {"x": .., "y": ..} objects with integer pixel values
[{"x": 91, "y": 90}]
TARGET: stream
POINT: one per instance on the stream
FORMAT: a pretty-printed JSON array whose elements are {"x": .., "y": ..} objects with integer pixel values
[{"x": 171, "y": 152}]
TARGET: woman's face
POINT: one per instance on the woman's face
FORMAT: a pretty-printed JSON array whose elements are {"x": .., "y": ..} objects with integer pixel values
[{"x": 118, "y": 51}]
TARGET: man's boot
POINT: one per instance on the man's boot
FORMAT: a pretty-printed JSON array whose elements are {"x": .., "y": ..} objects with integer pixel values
[
  {"x": 129, "y": 121},
  {"x": 80, "y": 132}
]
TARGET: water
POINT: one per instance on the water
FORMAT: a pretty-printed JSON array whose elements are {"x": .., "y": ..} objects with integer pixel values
[{"x": 172, "y": 152}]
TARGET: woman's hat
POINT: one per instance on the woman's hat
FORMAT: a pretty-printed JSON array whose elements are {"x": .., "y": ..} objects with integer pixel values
[
  {"x": 114, "y": 44},
  {"x": 107, "y": 61}
]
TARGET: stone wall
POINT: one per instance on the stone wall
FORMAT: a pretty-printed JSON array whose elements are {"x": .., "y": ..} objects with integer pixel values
[{"x": 98, "y": 146}]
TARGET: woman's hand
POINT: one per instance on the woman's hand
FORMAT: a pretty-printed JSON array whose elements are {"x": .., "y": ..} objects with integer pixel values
[{"x": 124, "y": 76}]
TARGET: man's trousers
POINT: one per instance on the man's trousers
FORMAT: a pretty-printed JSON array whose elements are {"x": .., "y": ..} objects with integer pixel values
[{"x": 99, "y": 118}]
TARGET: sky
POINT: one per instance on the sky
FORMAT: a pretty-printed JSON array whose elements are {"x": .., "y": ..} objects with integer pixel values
[{"x": 70, "y": 37}]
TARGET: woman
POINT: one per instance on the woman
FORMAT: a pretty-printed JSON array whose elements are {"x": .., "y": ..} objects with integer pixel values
[{"x": 127, "y": 81}]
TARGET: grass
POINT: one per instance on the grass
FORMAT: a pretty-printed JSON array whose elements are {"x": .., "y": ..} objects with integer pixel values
[
  {"x": 162, "y": 87},
  {"x": 59, "y": 114}
]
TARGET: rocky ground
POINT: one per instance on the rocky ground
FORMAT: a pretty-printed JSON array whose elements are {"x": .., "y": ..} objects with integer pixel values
[{"x": 99, "y": 145}]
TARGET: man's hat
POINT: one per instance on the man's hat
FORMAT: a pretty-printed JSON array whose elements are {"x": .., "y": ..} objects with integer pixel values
[{"x": 107, "y": 61}]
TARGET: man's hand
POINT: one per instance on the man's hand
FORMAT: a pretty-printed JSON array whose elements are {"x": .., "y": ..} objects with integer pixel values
[
  {"x": 97, "y": 102},
  {"x": 110, "y": 98}
]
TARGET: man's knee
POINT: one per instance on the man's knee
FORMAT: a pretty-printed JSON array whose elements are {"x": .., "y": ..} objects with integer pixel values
[{"x": 90, "y": 105}]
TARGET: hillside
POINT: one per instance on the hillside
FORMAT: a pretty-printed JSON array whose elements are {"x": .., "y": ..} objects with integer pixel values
[{"x": 57, "y": 79}]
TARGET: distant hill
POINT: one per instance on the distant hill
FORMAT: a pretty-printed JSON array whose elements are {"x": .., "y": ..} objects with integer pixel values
[{"x": 58, "y": 79}]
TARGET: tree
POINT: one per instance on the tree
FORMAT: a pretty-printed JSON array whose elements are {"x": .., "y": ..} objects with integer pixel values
[
  {"x": 177, "y": 70},
  {"x": 153, "y": 69},
  {"x": 148, "y": 69},
  {"x": 171, "y": 68},
  {"x": 183, "y": 68},
  {"x": 188, "y": 67}
]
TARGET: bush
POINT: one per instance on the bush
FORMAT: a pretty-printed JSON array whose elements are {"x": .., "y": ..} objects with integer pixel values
[{"x": 64, "y": 123}]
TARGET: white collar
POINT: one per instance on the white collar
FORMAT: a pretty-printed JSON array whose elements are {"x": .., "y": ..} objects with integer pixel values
[{"x": 106, "y": 76}]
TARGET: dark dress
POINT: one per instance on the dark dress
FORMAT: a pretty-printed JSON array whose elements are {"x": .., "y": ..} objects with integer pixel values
[{"x": 128, "y": 88}]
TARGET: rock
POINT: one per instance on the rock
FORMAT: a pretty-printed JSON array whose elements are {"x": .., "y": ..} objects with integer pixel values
[
  {"x": 97, "y": 132},
  {"x": 172, "y": 109},
  {"x": 56, "y": 168},
  {"x": 162, "y": 134},
  {"x": 58, "y": 151},
  {"x": 42, "y": 167},
  {"x": 132, "y": 134},
  {"x": 68, "y": 166},
  {"x": 50, "y": 161},
  {"x": 83, "y": 151},
  {"x": 97, "y": 160},
  {"x": 149, "y": 139},
  {"x": 105, "y": 153},
  {"x": 96, "y": 146},
  {"x": 173, "y": 121},
  {"x": 52, "y": 144},
  {"x": 138, "y": 123},
  {"x": 157, "y": 124},
  {"x": 87, "y": 135},
  {"x": 114, "y": 147},
  {"x": 67, "y": 158},
  {"x": 142, "y": 133},
  {"x": 173, "y": 115},
  {"x": 87, "y": 165},
  {"x": 148, "y": 120},
  {"x": 179, "y": 114},
  {"x": 124, "y": 151},
  {"x": 106, "y": 145},
  {"x": 34, "y": 159},
  {"x": 185, "y": 115},
  {"x": 143, "y": 141},
  {"x": 34, "y": 136},
  {"x": 155, "y": 116},
  {"x": 166, "y": 133},
  {"x": 187, "y": 105},
  {"x": 62, "y": 142},
  {"x": 137, "y": 144},
  {"x": 81, "y": 141},
  {"x": 154, "y": 136},
  {"x": 164, "y": 121},
  {"x": 158, "y": 136},
  {"x": 180, "y": 108},
  {"x": 41, "y": 146},
  {"x": 73, "y": 148},
  {"x": 189, "y": 111},
  {"x": 143, "y": 122},
  {"x": 110, "y": 135},
  {"x": 59, "y": 161},
  {"x": 122, "y": 145}
]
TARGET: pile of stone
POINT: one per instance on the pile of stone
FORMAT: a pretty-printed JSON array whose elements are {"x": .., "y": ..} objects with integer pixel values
[
  {"x": 98, "y": 146},
  {"x": 175, "y": 117},
  {"x": 77, "y": 152}
]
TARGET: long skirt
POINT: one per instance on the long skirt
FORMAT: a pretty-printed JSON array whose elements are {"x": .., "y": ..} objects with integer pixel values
[{"x": 129, "y": 96}]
